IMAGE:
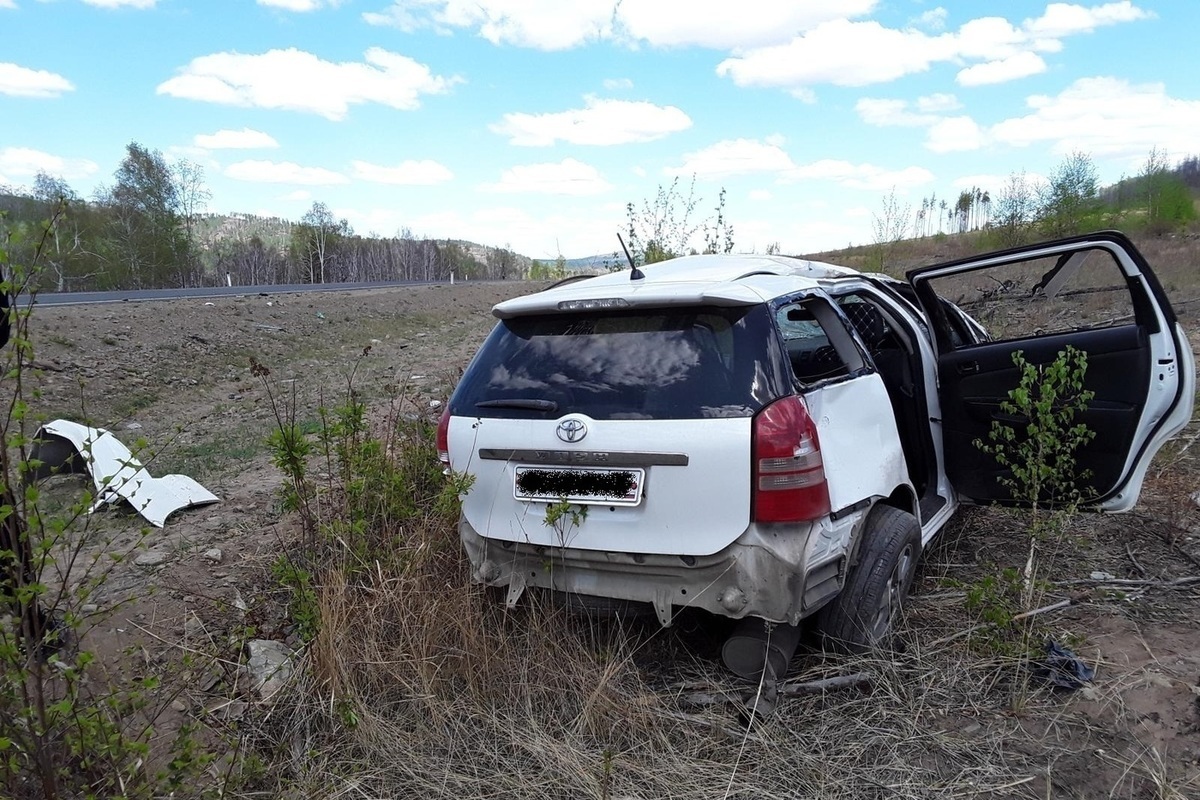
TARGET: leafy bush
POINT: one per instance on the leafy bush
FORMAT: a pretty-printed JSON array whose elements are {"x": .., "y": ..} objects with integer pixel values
[{"x": 1039, "y": 453}]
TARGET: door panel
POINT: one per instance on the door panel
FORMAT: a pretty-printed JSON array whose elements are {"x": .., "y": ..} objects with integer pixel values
[
  {"x": 1095, "y": 293},
  {"x": 976, "y": 380}
]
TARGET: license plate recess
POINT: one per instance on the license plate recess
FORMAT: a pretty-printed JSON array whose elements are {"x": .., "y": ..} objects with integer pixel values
[{"x": 601, "y": 486}]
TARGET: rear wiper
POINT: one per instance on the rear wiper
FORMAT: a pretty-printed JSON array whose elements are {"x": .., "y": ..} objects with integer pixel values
[{"x": 528, "y": 403}]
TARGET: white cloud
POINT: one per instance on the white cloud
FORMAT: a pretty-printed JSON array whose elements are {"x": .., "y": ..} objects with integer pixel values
[
  {"x": 22, "y": 82},
  {"x": 540, "y": 24},
  {"x": 616, "y": 84},
  {"x": 861, "y": 176},
  {"x": 848, "y": 53},
  {"x": 728, "y": 25},
  {"x": 121, "y": 3},
  {"x": 8, "y": 3},
  {"x": 991, "y": 38},
  {"x": 562, "y": 24},
  {"x": 600, "y": 122},
  {"x": 1018, "y": 65},
  {"x": 1064, "y": 19},
  {"x": 1105, "y": 116},
  {"x": 934, "y": 103},
  {"x": 889, "y": 112},
  {"x": 934, "y": 19},
  {"x": 760, "y": 195},
  {"x": 283, "y": 172},
  {"x": 398, "y": 15},
  {"x": 407, "y": 173},
  {"x": 734, "y": 157},
  {"x": 302, "y": 195},
  {"x": 245, "y": 139},
  {"x": 301, "y": 6},
  {"x": 955, "y": 134},
  {"x": 840, "y": 52},
  {"x": 26, "y": 162},
  {"x": 299, "y": 81},
  {"x": 945, "y": 134},
  {"x": 568, "y": 177}
]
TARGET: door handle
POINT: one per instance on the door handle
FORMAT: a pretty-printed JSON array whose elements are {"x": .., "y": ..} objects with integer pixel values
[{"x": 967, "y": 367}]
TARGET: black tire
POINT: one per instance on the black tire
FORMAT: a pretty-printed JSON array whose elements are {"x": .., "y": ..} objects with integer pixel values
[{"x": 862, "y": 616}]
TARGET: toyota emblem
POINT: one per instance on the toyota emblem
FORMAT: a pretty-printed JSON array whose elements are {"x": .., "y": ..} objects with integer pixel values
[{"x": 571, "y": 430}]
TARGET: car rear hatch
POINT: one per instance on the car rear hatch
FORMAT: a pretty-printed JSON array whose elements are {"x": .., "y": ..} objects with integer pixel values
[{"x": 642, "y": 416}]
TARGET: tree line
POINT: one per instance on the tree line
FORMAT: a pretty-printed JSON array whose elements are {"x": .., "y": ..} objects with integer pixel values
[
  {"x": 149, "y": 229},
  {"x": 1159, "y": 199}
]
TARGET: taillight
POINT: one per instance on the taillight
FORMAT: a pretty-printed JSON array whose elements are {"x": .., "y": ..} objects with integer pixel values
[
  {"x": 789, "y": 476},
  {"x": 443, "y": 437}
]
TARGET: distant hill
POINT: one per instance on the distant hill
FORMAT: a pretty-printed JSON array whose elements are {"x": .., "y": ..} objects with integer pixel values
[
  {"x": 596, "y": 263},
  {"x": 275, "y": 234}
]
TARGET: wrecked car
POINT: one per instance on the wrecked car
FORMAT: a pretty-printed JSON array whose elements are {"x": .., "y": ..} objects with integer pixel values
[{"x": 779, "y": 439}]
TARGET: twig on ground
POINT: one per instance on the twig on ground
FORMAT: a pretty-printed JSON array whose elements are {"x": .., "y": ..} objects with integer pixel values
[
  {"x": 938, "y": 596},
  {"x": 1070, "y": 601},
  {"x": 1136, "y": 564},
  {"x": 826, "y": 684},
  {"x": 1061, "y": 604},
  {"x": 1140, "y": 582}
]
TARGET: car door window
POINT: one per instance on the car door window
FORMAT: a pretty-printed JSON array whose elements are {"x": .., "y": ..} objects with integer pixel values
[
  {"x": 1078, "y": 291},
  {"x": 818, "y": 344}
]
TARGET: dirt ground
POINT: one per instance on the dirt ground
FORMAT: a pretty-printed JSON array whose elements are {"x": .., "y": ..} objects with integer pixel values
[
  {"x": 172, "y": 379},
  {"x": 176, "y": 375}
]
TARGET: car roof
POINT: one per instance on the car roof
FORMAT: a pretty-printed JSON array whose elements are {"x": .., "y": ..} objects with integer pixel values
[{"x": 721, "y": 280}]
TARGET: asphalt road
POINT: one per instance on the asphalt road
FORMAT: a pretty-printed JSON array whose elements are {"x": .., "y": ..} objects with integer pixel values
[{"x": 78, "y": 298}]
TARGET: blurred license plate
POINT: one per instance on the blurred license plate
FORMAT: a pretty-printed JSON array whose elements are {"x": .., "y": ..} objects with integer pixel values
[{"x": 593, "y": 485}]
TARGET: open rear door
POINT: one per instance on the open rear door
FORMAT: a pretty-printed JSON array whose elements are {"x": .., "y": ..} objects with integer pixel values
[{"x": 1093, "y": 292}]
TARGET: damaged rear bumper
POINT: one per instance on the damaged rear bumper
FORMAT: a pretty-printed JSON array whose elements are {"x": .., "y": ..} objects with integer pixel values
[{"x": 780, "y": 573}]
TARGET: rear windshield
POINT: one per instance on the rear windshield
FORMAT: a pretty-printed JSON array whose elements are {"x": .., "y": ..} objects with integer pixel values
[{"x": 688, "y": 363}]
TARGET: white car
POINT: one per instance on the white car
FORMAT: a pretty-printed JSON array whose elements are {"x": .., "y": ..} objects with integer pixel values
[{"x": 771, "y": 437}]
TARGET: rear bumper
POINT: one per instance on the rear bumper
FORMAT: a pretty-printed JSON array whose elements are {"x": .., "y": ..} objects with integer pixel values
[{"x": 781, "y": 573}]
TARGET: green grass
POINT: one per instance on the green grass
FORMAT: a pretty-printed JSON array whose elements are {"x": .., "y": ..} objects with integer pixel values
[
  {"x": 213, "y": 457},
  {"x": 130, "y": 403}
]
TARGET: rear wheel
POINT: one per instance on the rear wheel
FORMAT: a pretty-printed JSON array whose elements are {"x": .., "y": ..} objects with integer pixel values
[{"x": 862, "y": 616}]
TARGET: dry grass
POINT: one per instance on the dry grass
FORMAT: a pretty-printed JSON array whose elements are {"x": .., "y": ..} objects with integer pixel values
[{"x": 419, "y": 684}]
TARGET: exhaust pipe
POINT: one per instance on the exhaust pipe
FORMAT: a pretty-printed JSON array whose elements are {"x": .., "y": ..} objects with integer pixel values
[
  {"x": 760, "y": 651},
  {"x": 757, "y": 646}
]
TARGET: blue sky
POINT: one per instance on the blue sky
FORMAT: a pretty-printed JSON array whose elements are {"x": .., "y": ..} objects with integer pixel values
[{"x": 531, "y": 123}]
